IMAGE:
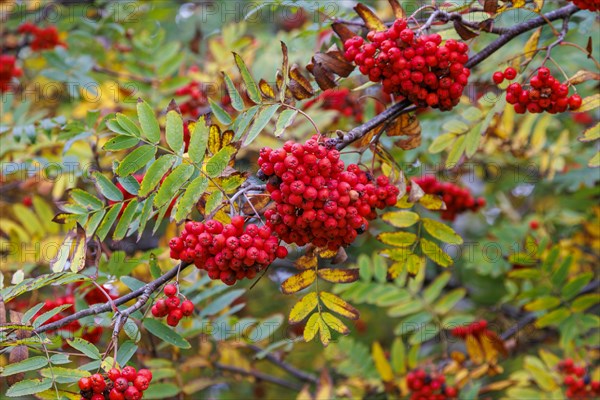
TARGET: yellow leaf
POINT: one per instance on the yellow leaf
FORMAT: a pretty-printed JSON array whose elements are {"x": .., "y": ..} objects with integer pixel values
[
  {"x": 414, "y": 264},
  {"x": 531, "y": 45},
  {"x": 435, "y": 253},
  {"x": 381, "y": 363},
  {"x": 539, "y": 373},
  {"x": 325, "y": 387},
  {"x": 324, "y": 332},
  {"x": 214, "y": 139},
  {"x": 339, "y": 275},
  {"x": 441, "y": 231},
  {"x": 335, "y": 323},
  {"x": 432, "y": 202},
  {"x": 304, "y": 394},
  {"x": 302, "y": 308},
  {"x": 591, "y": 134},
  {"x": 338, "y": 305},
  {"x": 401, "y": 219},
  {"x": 306, "y": 262},
  {"x": 589, "y": 103},
  {"x": 372, "y": 21},
  {"x": 549, "y": 358},
  {"x": 327, "y": 253},
  {"x": 311, "y": 328},
  {"x": 398, "y": 239},
  {"x": 299, "y": 281},
  {"x": 474, "y": 349}
]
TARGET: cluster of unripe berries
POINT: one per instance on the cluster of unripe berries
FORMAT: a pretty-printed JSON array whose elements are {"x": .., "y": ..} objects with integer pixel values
[
  {"x": 42, "y": 38},
  {"x": 127, "y": 384},
  {"x": 318, "y": 200},
  {"x": 8, "y": 71},
  {"x": 429, "y": 386},
  {"x": 477, "y": 328},
  {"x": 172, "y": 307},
  {"x": 227, "y": 252},
  {"x": 415, "y": 66},
  {"x": 578, "y": 382},
  {"x": 457, "y": 199},
  {"x": 592, "y": 5},
  {"x": 546, "y": 93}
]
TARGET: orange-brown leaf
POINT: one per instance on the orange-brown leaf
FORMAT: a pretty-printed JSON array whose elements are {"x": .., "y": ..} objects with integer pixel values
[
  {"x": 343, "y": 32},
  {"x": 410, "y": 143},
  {"x": 397, "y": 8},
  {"x": 297, "y": 282},
  {"x": 582, "y": 76},
  {"x": 404, "y": 125},
  {"x": 339, "y": 275},
  {"x": 334, "y": 61},
  {"x": 372, "y": 21},
  {"x": 474, "y": 349},
  {"x": 259, "y": 202},
  {"x": 464, "y": 32},
  {"x": 266, "y": 89}
]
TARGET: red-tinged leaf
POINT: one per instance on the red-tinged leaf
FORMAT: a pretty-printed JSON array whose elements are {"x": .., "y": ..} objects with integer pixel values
[
  {"x": 372, "y": 21},
  {"x": 343, "y": 32},
  {"x": 324, "y": 78},
  {"x": 334, "y": 61},
  {"x": 464, "y": 32},
  {"x": 299, "y": 281},
  {"x": 339, "y": 275},
  {"x": 266, "y": 89},
  {"x": 490, "y": 6}
]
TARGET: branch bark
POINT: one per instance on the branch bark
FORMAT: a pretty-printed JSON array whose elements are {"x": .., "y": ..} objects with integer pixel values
[
  {"x": 404, "y": 106},
  {"x": 304, "y": 376},
  {"x": 99, "y": 309},
  {"x": 261, "y": 376}
]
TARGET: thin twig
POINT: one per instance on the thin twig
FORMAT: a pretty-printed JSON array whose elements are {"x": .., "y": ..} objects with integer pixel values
[
  {"x": 260, "y": 375},
  {"x": 99, "y": 309},
  {"x": 302, "y": 375}
]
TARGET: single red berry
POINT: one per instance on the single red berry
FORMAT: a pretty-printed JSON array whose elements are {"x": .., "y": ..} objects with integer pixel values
[
  {"x": 132, "y": 393},
  {"x": 510, "y": 73},
  {"x": 187, "y": 308},
  {"x": 114, "y": 394},
  {"x": 85, "y": 384},
  {"x": 97, "y": 396},
  {"x": 498, "y": 77},
  {"x": 174, "y": 317},
  {"x": 141, "y": 383},
  {"x": 113, "y": 374},
  {"x": 121, "y": 384},
  {"x": 172, "y": 302},
  {"x": 146, "y": 372},
  {"x": 129, "y": 373},
  {"x": 170, "y": 290},
  {"x": 575, "y": 102},
  {"x": 534, "y": 225}
]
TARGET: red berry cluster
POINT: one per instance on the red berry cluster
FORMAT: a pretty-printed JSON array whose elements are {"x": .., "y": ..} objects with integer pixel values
[
  {"x": 477, "y": 328},
  {"x": 197, "y": 100},
  {"x": 592, "y": 5},
  {"x": 578, "y": 382},
  {"x": 546, "y": 93},
  {"x": 457, "y": 199},
  {"x": 127, "y": 384},
  {"x": 227, "y": 252},
  {"x": 172, "y": 307},
  {"x": 43, "y": 38},
  {"x": 419, "y": 68},
  {"x": 8, "y": 71},
  {"x": 318, "y": 200},
  {"x": 429, "y": 386},
  {"x": 60, "y": 301},
  {"x": 341, "y": 100}
]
